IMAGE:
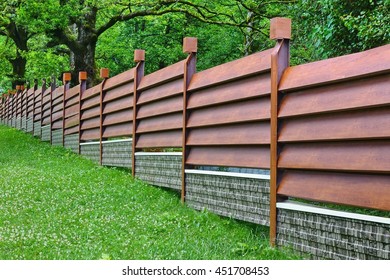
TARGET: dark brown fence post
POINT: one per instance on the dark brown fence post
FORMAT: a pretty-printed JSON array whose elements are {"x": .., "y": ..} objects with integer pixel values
[
  {"x": 139, "y": 58},
  {"x": 83, "y": 86},
  {"x": 104, "y": 73},
  {"x": 52, "y": 88},
  {"x": 190, "y": 46},
  {"x": 281, "y": 31},
  {"x": 66, "y": 81}
]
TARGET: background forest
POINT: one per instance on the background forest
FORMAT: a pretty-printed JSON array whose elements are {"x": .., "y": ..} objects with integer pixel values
[{"x": 42, "y": 39}]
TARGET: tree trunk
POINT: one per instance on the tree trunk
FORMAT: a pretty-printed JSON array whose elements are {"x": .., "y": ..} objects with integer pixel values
[
  {"x": 85, "y": 61},
  {"x": 18, "y": 70}
]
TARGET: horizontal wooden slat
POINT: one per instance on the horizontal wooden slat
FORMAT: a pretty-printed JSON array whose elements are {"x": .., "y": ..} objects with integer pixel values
[
  {"x": 90, "y": 134},
  {"x": 250, "y": 110},
  {"x": 89, "y": 93},
  {"x": 368, "y": 124},
  {"x": 91, "y": 102},
  {"x": 162, "y": 91},
  {"x": 363, "y": 93},
  {"x": 45, "y": 120},
  {"x": 72, "y": 121},
  {"x": 73, "y": 110},
  {"x": 56, "y": 125},
  {"x": 171, "y": 72},
  {"x": 71, "y": 130},
  {"x": 72, "y": 101},
  {"x": 335, "y": 69},
  {"x": 170, "y": 138},
  {"x": 160, "y": 123},
  {"x": 57, "y": 108},
  {"x": 125, "y": 77},
  {"x": 72, "y": 92},
  {"x": 249, "y": 65},
  {"x": 90, "y": 113},
  {"x": 57, "y": 92},
  {"x": 56, "y": 116},
  {"x": 123, "y": 90},
  {"x": 164, "y": 106},
  {"x": 360, "y": 156},
  {"x": 369, "y": 191},
  {"x": 236, "y": 156},
  {"x": 122, "y": 129},
  {"x": 57, "y": 100},
  {"x": 118, "y": 105},
  {"x": 236, "y": 134},
  {"x": 90, "y": 123},
  {"x": 241, "y": 89},
  {"x": 118, "y": 117}
]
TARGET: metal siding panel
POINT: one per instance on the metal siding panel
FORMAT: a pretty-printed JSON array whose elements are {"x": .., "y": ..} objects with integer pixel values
[
  {"x": 368, "y": 124},
  {"x": 234, "y": 91},
  {"x": 363, "y": 190},
  {"x": 361, "y": 93},
  {"x": 164, "y": 106},
  {"x": 244, "y": 111},
  {"x": 118, "y": 105},
  {"x": 171, "y": 138},
  {"x": 122, "y": 129},
  {"x": 160, "y": 123},
  {"x": 236, "y": 134},
  {"x": 162, "y": 91},
  {"x": 237, "y": 156},
  {"x": 118, "y": 92},
  {"x": 362, "y": 156}
]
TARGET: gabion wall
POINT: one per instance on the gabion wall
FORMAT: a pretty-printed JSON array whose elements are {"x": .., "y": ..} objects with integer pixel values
[
  {"x": 117, "y": 153},
  {"x": 244, "y": 199},
  {"x": 159, "y": 170},
  {"x": 327, "y": 237}
]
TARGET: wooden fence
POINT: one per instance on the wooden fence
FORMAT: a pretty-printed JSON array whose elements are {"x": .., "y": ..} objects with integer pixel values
[{"x": 321, "y": 129}]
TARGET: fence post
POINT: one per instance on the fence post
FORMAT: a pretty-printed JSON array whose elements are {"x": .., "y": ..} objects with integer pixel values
[
  {"x": 52, "y": 88},
  {"x": 190, "y": 46},
  {"x": 66, "y": 81},
  {"x": 83, "y": 86},
  {"x": 139, "y": 58},
  {"x": 281, "y": 31},
  {"x": 104, "y": 73}
]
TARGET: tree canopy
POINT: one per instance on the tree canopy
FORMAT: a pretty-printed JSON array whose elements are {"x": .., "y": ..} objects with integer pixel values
[{"x": 44, "y": 38}]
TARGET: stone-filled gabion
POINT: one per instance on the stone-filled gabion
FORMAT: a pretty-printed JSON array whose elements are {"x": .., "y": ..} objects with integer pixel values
[
  {"x": 29, "y": 125},
  {"x": 37, "y": 129},
  {"x": 159, "y": 170},
  {"x": 244, "y": 199},
  {"x": 45, "y": 134},
  {"x": 91, "y": 151},
  {"x": 72, "y": 142},
  {"x": 117, "y": 153},
  {"x": 56, "y": 137},
  {"x": 328, "y": 237}
]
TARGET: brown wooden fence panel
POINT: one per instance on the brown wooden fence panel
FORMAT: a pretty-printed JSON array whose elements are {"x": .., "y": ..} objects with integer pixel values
[
  {"x": 90, "y": 114},
  {"x": 160, "y": 108},
  {"x": 71, "y": 110},
  {"x": 335, "y": 130},
  {"x": 45, "y": 111},
  {"x": 229, "y": 113},
  {"x": 37, "y": 104}
]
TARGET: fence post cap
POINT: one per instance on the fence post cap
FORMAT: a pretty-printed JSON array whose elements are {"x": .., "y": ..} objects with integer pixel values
[
  {"x": 280, "y": 28},
  {"x": 18, "y": 87},
  {"x": 139, "y": 55},
  {"x": 82, "y": 76},
  {"x": 66, "y": 77},
  {"x": 104, "y": 73},
  {"x": 190, "y": 45}
]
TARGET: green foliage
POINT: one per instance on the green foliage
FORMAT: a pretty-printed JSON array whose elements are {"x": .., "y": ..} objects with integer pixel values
[
  {"x": 56, "y": 205},
  {"x": 330, "y": 28}
]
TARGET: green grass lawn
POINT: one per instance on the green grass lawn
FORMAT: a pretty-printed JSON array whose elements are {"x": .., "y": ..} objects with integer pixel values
[{"x": 56, "y": 205}]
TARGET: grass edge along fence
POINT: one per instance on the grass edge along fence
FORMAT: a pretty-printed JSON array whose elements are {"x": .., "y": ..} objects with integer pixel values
[{"x": 321, "y": 129}]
